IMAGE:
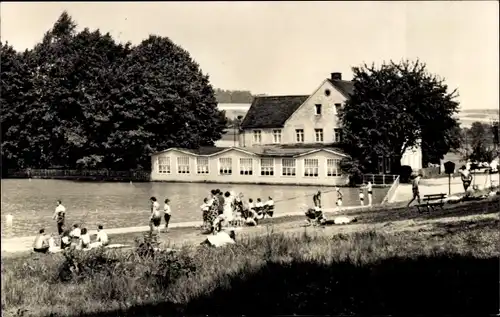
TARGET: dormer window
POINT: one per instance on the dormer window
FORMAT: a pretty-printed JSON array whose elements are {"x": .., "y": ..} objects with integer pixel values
[{"x": 318, "y": 109}]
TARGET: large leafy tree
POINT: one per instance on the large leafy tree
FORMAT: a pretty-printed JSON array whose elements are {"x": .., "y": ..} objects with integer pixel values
[
  {"x": 81, "y": 99},
  {"x": 395, "y": 107},
  {"x": 166, "y": 102}
]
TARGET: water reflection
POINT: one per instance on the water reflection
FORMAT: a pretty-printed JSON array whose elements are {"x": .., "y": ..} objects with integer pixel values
[{"x": 32, "y": 203}]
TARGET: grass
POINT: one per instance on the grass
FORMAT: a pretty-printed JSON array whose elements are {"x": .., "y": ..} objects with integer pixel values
[{"x": 443, "y": 267}]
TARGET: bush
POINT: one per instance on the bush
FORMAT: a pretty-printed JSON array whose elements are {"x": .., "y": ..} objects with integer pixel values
[{"x": 405, "y": 173}]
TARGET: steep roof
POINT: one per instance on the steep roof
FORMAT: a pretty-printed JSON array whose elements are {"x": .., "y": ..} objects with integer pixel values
[
  {"x": 344, "y": 86},
  {"x": 271, "y": 111}
]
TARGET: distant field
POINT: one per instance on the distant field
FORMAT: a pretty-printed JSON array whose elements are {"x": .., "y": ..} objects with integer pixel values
[{"x": 466, "y": 116}]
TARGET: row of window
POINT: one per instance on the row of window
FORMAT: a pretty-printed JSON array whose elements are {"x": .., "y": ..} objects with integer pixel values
[
  {"x": 318, "y": 107},
  {"x": 299, "y": 136},
  {"x": 267, "y": 166}
]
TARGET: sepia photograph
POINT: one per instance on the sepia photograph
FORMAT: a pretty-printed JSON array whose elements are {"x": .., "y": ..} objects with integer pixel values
[{"x": 250, "y": 158}]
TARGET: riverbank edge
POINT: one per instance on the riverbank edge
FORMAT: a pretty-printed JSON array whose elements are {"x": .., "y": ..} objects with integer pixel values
[{"x": 125, "y": 180}]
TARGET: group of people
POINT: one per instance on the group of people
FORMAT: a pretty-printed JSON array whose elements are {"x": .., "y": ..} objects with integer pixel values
[
  {"x": 230, "y": 209},
  {"x": 78, "y": 238}
]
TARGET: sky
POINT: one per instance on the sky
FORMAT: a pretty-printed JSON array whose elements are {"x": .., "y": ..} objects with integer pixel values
[{"x": 288, "y": 48}]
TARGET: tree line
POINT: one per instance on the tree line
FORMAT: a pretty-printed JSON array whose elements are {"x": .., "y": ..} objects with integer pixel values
[
  {"x": 81, "y": 99},
  {"x": 480, "y": 142},
  {"x": 233, "y": 96}
]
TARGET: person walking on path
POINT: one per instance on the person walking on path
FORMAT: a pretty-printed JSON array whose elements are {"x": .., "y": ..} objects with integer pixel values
[
  {"x": 59, "y": 216},
  {"x": 466, "y": 178},
  {"x": 155, "y": 219},
  {"x": 414, "y": 187}
]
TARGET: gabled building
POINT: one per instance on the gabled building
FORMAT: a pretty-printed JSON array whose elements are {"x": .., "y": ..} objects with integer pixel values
[{"x": 282, "y": 140}]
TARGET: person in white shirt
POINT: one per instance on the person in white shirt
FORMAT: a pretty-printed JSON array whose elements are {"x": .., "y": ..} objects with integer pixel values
[
  {"x": 339, "y": 198},
  {"x": 259, "y": 206},
  {"x": 269, "y": 207},
  {"x": 59, "y": 216},
  {"x": 102, "y": 237},
  {"x": 361, "y": 196},
  {"x": 76, "y": 232},
  {"x": 168, "y": 212}
]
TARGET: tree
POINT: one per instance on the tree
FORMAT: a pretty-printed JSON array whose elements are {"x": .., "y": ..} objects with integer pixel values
[
  {"x": 81, "y": 99},
  {"x": 482, "y": 143},
  {"x": 161, "y": 99},
  {"x": 396, "y": 107}
]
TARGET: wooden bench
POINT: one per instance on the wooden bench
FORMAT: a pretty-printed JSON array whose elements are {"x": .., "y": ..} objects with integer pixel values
[{"x": 432, "y": 201}]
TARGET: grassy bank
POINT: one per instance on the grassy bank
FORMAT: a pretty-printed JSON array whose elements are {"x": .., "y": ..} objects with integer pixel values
[{"x": 440, "y": 267}]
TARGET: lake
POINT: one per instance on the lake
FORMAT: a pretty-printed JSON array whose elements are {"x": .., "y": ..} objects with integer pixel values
[{"x": 32, "y": 203}]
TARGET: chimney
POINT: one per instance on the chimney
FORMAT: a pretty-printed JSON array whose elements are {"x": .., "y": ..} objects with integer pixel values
[{"x": 336, "y": 76}]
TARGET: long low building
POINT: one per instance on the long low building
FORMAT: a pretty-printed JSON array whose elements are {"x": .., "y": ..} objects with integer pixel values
[{"x": 278, "y": 165}]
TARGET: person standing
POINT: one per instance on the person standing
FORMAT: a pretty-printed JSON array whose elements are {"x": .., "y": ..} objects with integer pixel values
[
  {"x": 59, "y": 216},
  {"x": 339, "y": 198},
  {"x": 466, "y": 178},
  {"x": 369, "y": 192},
  {"x": 416, "y": 192},
  {"x": 168, "y": 212},
  {"x": 317, "y": 199},
  {"x": 361, "y": 196}
]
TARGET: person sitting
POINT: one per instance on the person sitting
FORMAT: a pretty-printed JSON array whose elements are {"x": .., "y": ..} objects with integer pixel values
[
  {"x": 65, "y": 239},
  {"x": 84, "y": 240},
  {"x": 53, "y": 248},
  {"x": 76, "y": 232},
  {"x": 315, "y": 216},
  {"x": 101, "y": 238},
  {"x": 269, "y": 207},
  {"x": 41, "y": 244}
]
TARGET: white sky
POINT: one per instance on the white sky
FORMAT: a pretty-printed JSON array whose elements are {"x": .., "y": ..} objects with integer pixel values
[{"x": 290, "y": 47}]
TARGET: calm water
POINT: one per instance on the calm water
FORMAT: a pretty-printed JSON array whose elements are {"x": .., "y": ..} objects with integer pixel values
[{"x": 32, "y": 203}]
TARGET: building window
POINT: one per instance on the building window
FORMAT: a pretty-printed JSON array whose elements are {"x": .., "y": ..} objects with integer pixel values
[
  {"x": 288, "y": 166},
  {"x": 311, "y": 167},
  {"x": 267, "y": 167},
  {"x": 338, "y": 135},
  {"x": 319, "y": 135},
  {"x": 183, "y": 165},
  {"x": 225, "y": 166},
  {"x": 300, "y": 135},
  {"x": 246, "y": 166},
  {"x": 338, "y": 106},
  {"x": 202, "y": 165},
  {"x": 164, "y": 165},
  {"x": 257, "y": 136},
  {"x": 333, "y": 167},
  {"x": 318, "y": 109},
  {"x": 277, "y": 136}
]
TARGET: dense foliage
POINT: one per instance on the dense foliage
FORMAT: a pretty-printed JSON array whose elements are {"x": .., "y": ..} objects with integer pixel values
[
  {"x": 481, "y": 142},
  {"x": 233, "y": 96},
  {"x": 80, "y": 99},
  {"x": 395, "y": 107}
]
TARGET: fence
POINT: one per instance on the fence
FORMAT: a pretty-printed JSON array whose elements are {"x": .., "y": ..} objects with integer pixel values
[
  {"x": 390, "y": 194},
  {"x": 102, "y": 175},
  {"x": 380, "y": 179}
]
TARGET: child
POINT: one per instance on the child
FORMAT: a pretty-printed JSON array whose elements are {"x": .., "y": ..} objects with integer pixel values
[
  {"x": 339, "y": 198},
  {"x": 84, "y": 239},
  {"x": 258, "y": 209},
  {"x": 361, "y": 196},
  {"x": 167, "y": 211}
]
